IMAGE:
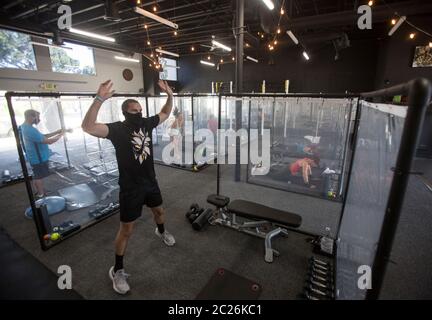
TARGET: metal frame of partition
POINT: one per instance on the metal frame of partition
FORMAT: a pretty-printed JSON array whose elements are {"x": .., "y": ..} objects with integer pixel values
[
  {"x": 419, "y": 94},
  {"x": 297, "y": 95},
  {"x": 38, "y": 216}
]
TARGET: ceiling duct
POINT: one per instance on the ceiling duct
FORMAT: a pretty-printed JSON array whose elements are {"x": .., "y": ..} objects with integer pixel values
[{"x": 111, "y": 11}]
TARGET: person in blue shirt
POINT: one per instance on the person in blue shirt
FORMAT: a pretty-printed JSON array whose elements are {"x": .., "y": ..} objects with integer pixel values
[{"x": 35, "y": 145}]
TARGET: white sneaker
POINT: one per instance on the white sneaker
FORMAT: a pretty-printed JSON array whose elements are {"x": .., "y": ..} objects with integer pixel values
[
  {"x": 119, "y": 280},
  {"x": 167, "y": 237}
]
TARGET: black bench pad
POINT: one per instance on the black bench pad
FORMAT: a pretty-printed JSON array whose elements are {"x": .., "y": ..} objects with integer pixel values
[
  {"x": 256, "y": 211},
  {"x": 218, "y": 200}
]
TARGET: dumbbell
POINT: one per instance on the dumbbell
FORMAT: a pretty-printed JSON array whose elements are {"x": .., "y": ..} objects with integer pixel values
[
  {"x": 194, "y": 212},
  {"x": 320, "y": 266},
  {"x": 320, "y": 284},
  {"x": 319, "y": 271},
  {"x": 322, "y": 279},
  {"x": 320, "y": 292},
  {"x": 320, "y": 262},
  {"x": 311, "y": 296}
]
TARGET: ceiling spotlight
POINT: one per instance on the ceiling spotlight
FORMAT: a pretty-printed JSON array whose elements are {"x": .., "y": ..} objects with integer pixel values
[
  {"x": 293, "y": 37},
  {"x": 370, "y": 3},
  {"x": 397, "y": 25},
  {"x": 269, "y": 4},
  {"x": 306, "y": 55},
  {"x": 412, "y": 35},
  {"x": 207, "y": 63}
]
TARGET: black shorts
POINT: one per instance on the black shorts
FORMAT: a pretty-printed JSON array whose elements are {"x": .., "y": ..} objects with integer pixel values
[
  {"x": 133, "y": 199},
  {"x": 40, "y": 170}
]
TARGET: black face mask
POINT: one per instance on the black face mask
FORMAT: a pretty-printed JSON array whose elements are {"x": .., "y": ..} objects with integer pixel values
[{"x": 133, "y": 119}]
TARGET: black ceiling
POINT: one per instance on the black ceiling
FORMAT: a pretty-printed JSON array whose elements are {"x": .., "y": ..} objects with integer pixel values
[{"x": 201, "y": 19}]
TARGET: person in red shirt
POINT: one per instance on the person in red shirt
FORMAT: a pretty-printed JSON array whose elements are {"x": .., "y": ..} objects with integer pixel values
[
  {"x": 212, "y": 124},
  {"x": 303, "y": 167}
]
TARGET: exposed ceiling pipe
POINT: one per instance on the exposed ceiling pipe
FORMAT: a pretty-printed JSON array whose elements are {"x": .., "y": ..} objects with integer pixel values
[
  {"x": 183, "y": 18},
  {"x": 137, "y": 17}
]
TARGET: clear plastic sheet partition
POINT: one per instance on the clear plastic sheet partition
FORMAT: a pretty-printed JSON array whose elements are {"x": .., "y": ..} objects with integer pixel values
[
  {"x": 303, "y": 129},
  {"x": 297, "y": 128},
  {"x": 81, "y": 186},
  {"x": 181, "y": 136},
  {"x": 377, "y": 146}
]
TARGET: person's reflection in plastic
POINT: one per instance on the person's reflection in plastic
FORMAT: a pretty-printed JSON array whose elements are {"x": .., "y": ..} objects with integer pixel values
[
  {"x": 212, "y": 124},
  {"x": 176, "y": 134}
]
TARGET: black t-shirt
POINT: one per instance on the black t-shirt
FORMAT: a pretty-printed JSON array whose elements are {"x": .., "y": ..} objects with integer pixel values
[{"x": 134, "y": 150}]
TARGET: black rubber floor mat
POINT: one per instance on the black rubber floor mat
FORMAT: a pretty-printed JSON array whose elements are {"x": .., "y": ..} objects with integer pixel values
[
  {"x": 226, "y": 285},
  {"x": 23, "y": 277}
]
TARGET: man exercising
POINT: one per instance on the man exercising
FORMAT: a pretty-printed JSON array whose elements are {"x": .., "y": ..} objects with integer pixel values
[
  {"x": 35, "y": 145},
  {"x": 138, "y": 185}
]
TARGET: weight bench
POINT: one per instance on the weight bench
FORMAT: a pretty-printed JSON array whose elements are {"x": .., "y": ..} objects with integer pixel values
[{"x": 261, "y": 215}]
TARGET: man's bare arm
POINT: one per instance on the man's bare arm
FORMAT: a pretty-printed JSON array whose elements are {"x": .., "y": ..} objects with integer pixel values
[
  {"x": 53, "y": 134},
  {"x": 167, "y": 108},
  {"x": 89, "y": 123},
  {"x": 306, "y": 173},
  {"x": 52, "y": 139}
]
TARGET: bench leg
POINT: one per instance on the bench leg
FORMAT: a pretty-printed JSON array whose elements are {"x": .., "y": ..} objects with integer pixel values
[{"x": 269, "y": 251}]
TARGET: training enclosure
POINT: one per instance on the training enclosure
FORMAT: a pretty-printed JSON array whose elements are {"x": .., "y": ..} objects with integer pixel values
[
  {"x": 83, "y": 185},
  {"x": 359, "y": 146}
]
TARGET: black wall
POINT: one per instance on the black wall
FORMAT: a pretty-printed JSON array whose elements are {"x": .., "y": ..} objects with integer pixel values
[
  {"x": 396, "y": 55},
  {"x": 354, "y": 71}
]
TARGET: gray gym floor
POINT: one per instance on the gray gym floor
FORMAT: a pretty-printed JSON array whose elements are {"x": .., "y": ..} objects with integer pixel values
[{"x": 159, "y": 272}]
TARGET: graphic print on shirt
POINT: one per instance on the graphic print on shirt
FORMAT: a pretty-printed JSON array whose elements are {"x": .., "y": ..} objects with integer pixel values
[{"x": 140, "y": 145}]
